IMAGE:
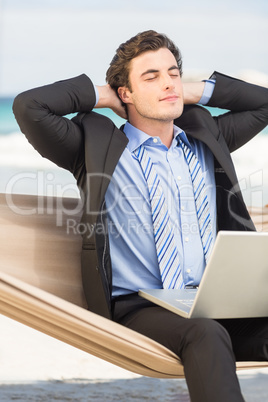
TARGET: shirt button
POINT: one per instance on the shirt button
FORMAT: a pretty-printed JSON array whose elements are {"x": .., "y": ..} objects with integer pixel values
[
  {"x": 186, "y": 239},
  {"x": 179, "y": 177},
  {"x": 182, "y": 208},
  {"x": 188, "y": 271},
  {"x": 155, "y": 140}
]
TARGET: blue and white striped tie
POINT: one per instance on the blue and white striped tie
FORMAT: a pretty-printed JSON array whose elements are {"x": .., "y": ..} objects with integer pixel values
[
  {"x": 167, "y": 253},
  {"x": 201, "y": 200}
]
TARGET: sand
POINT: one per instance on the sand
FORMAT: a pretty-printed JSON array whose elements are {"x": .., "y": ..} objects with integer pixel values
[{"x": 36, "y": 367}]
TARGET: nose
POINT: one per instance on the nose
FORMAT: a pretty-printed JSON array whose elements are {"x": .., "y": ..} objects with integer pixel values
[{"x": 168, "y": 82}]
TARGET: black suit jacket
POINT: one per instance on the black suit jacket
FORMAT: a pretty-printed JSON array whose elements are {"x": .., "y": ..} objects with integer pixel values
[{"x": 90, "y": 146}]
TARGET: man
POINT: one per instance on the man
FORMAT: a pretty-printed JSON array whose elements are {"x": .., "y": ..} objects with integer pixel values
[{"x": 129, "y": 176}]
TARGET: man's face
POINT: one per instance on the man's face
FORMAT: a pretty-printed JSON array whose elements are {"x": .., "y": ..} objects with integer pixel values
[{"x": 156, "y": 88}]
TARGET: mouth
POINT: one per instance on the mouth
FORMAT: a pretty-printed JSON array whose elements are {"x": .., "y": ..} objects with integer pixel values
[{"x": 170, "y": 98}]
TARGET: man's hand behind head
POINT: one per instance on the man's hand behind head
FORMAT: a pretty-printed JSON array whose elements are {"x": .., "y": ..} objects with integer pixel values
[{"x": 109, "y": 99}]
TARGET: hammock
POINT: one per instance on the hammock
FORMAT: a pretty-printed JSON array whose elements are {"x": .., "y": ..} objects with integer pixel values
[{"x": 41, "y": 286}]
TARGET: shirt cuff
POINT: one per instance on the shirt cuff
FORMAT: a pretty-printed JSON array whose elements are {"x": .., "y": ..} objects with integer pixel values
[
  {"x": 208, "y": 91},
  {"x": 96, "y": 94}
]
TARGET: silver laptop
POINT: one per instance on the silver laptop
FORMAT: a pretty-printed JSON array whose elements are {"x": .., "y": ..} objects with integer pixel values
[{"x": 234, "y": 284}]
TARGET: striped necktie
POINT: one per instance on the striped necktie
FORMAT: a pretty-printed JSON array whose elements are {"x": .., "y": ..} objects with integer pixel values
[
  {"x": 166, "y": 249},
  {"x": 201, "y": 199}
]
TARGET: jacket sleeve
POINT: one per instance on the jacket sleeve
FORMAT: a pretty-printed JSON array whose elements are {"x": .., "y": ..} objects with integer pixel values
[
  {"x": 247, "y": 105},
  {"x": 40, "y": 114}
]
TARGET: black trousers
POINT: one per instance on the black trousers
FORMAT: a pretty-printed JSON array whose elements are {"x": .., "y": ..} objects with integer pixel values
[{"x": 207, "y": 348}]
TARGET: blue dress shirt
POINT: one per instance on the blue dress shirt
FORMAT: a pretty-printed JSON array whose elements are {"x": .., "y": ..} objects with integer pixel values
[{"x": 132, "y": 245}]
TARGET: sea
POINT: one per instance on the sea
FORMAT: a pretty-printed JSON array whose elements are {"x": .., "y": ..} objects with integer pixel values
[{"x": 24, "y": 171}]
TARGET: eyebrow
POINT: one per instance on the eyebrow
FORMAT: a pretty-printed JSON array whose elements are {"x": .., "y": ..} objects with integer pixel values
[{"x": 151, "y": 70}]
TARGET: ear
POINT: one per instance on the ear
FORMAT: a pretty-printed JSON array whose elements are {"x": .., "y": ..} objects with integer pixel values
[{"x": 124, "y": 94}]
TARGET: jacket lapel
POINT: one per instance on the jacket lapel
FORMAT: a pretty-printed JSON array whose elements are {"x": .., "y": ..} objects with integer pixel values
[
  {"x": 104, "y": 144},
  {"x": 197, "y": 123},
  {"x": 117, "y": 144}
]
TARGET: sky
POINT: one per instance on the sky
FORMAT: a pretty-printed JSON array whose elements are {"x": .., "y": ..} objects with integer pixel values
[{"x": 42, "y": 41}]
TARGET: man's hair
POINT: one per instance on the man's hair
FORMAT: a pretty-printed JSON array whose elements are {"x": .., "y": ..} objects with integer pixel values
[{"x": 117, "y": 74}]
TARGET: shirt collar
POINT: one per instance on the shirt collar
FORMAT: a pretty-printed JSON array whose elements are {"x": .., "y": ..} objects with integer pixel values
[
  {"x": 137, "y": 137},
  {"x": 179, "y": 134}
]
